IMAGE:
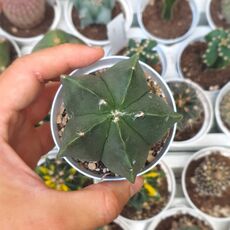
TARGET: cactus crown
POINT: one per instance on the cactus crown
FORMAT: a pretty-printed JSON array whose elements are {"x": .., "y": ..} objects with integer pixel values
[
  {"x": 54, "y": 38},
  {"x": 187, "y": 102},
  {"x": 150, "y": 189},
  {"x": 4, "y": 54},
  {"x": 94, "y": 11},
  {"x": 59, "y": 175},
  {"x": 225, "y": 9},
  {"x": 167, "y": 11},
  {"x": 217, "y": 54},
  {"x": 211, "y": 177},
  {"x": 114, "y": 118},
  {"x": 225, "y": 110},
  {"x": 144, "y": 49}
]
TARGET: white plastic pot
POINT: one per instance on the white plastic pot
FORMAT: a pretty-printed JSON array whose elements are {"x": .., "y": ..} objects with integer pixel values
[
  {"x": 208, "y": 115},
  {"x": 220, "y": 123},
  {"x": 175, "y": 211},
  {"x": 28, "y": 41},
  {"x": 68, "y": 7},
  {"x": 200, "y": 154},
  {"x": 103, "y": 64},
  {"x": 172, "y": 190},
  {"x": 142, "y": 4}
]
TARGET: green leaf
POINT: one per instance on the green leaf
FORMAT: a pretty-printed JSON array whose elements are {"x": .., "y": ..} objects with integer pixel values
[{"x": 114, "y": 132}]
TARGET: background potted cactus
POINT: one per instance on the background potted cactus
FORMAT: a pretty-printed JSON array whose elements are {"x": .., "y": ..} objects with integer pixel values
[
  {"x": 118, "y": 119},
  {"x": 113, "y": 226},
  {"x": 206, "y": 61},
  {"x": 55, "y": 38},
  {"x": 155, "y": 196},
  {"x": 25, "y": 21},
  {"x": 9, "y": 51},
  {"x": 222, "y": 109},
  {"x": 218, "y": 13},
  {"x": 181, "y": 218},
  {"x": 167, "y": 21},
  {"x": 196, "y": 109},
  {"x": 206, "y": 182},
  {"x": 88, "y": 19}
]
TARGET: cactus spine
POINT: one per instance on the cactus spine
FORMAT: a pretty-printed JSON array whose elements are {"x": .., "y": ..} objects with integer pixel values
[
  {"x": 4, "y": 54},
  {"x": 24, "y": 14},
  {"x": 167, "y": 11},
  {"x": 144, "y": 49},
  {"x": 55, "y": 38},
  {"x": 94, "y": 11},
  {"x": 217, "y": 54},
  {"x": 109, "y": 115},
  {"x": 59, "y": 175},
  {"x": 225, "y": 9},
  {"x": 188, "y": 104}
]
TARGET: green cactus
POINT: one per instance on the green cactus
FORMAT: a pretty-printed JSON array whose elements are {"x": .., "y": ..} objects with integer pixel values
[
  {"x": 167, "y": 11},
  {"x": 144, "y": 49},
  {"x": 114, "y": 118},
  {"x": 59, "y": 175},
  {"x": 217, "y": 54},
  {"x": 150, "y": 190},
  {"x": 54, "y": 38},
  {"x": 225, "y": 110},
  {"x": 94, "y": 11},
  {"x": 188, "y": 104},
  {"x": 23, "y": 13},
  {"x": 225, "y": 9},
  {"x": 4, "y": 54}
]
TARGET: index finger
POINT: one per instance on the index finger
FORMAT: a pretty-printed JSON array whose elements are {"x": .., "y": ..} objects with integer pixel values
[{"x": 21, "y": 83}]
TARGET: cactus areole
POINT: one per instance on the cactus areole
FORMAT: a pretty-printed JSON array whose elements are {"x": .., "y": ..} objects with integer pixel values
[{"x": 114, "y": 118}]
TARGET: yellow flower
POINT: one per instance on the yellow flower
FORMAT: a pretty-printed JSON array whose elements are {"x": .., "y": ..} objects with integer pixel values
[
  {"x": 151, "y": 174},
  {"x": 63, "y": 187},
  {"x": 150, "y": 189},
  {"x": 50, "y": 184},
  {"x": 43, "y": 170}
]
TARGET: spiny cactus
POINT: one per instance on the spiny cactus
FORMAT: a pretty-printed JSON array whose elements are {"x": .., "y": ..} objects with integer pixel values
[
  {"x": 167, "y": 11},
  {"x": 225, "y": 9},
  {"x": 114, "y": 118},
  {"x": 144, "y": 49},
  {"x": 59, "y": 175},
  {"x": 54, "y": 38},
  {"x": 188, "y": 104},
  {"x": 217, "y": 54},
  {"x": 24, "y": 14},
  {"x": 211, "y": 177},
  {"x": 4, "y": 54},
  {"x": 185, "y": 223},
  {"x": 94, "y": 11},
  {"x": 150, "y": 190},
  {"x": 225, "y": 110}
]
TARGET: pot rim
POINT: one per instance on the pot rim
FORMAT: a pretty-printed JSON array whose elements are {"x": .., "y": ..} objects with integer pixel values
[
  {"x": 57, "y": 16},
  {"x": 195, "y": 21},
  {"x": 105, "y": 63},
  {"x": 179, "y": 210},
  {"x": 219, "y": 98},
  {"x": 200, "y": 154},
  {"x": 208, "y": 113},
  {"x": 68, "y": 6},
  {"x": 171, "y": 188},
  {"x": 208, "y": 15}
]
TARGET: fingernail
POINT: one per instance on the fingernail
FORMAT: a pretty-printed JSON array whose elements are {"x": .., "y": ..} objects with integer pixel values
[{"x": 134, "y": 188}]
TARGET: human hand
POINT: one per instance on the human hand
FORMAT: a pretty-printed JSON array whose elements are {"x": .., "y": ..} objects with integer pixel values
[{"x": 27, "y": 89}]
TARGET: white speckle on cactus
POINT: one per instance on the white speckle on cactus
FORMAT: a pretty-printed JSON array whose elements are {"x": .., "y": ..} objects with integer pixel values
[
  {"x": 81, "y": 134},
  {"x": 140, "y": 114},
  {"x": 133, "y": 68},
  {"x": 116, "y": 115},
  {"x": 134, "y": 162},
  {"x": 102, "y": 102}
]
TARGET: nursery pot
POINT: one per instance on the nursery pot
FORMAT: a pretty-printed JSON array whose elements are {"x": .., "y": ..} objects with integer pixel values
[
  {"x": 198, "y": 155},
  {"x": 208, "y": 114},
  {"x": 27, "y": 41},
  {"x": 137, "y": 34},
  {"x": 179, "y": 210},
  {"x": 142, "y": 4},
  {"x": 68, "y": 7},
  {"x": 219, "y": 120},
  {"x": 103, "y": 64},
  {"x": 171, "y": 188}
]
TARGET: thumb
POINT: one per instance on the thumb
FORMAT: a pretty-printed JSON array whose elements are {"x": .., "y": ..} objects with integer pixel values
[{"x": 96, "y": 205}]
